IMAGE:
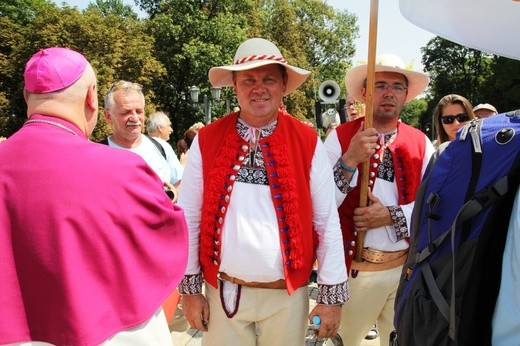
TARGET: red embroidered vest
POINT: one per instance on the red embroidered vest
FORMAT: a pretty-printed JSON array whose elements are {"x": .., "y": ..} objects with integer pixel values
[
  {"x": 287, "y": 154},
  {"x": 407, "y": 151}
]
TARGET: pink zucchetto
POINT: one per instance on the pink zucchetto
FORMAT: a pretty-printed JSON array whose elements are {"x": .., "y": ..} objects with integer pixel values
[{"x": 53, "y": 69}]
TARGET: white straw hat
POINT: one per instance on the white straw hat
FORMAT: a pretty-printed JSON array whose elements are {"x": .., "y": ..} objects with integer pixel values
[
  {"x": 356, "y": 76},
  {"x": 487, "y": 106},
  {"x": 253, "y": 53}
]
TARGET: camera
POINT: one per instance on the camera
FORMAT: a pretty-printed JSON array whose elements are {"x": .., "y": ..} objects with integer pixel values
[{"x": 170, "y": 193}]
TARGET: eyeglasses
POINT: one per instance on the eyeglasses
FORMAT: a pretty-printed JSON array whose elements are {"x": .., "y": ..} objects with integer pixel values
[
  {"x": 123, "y": 84},
  {"x": 449, "y": 119},
  {"x": 398, "y": 89}
]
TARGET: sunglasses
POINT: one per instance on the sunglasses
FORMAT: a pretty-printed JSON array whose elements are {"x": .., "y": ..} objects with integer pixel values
[{"x": 449, "y": 119}]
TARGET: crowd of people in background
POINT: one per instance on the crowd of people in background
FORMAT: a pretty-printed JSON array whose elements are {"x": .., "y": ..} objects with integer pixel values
[{"x": 267, "y": 200}]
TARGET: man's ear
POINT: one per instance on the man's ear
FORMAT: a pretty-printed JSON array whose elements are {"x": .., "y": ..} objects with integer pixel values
[
  {"x": 91, "y": 100},
  {"x": 107, "y": 115},
  {"x": 234, "y": 85},
  {"x": 364, "y": 94}
]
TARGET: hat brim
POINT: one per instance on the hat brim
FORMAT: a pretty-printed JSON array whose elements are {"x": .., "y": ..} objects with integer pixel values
[
  {"x": 355, "y": 77},
  {"x": 222, "y": 76},
  {"x": 486, "y": 107}
]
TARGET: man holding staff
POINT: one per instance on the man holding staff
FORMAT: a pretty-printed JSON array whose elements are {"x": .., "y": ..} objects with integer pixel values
[{"x": 398, "y": 156}]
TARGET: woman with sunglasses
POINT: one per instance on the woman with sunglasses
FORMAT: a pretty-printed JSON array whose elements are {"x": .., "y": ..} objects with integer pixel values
[{"x": 451, "y": 113}]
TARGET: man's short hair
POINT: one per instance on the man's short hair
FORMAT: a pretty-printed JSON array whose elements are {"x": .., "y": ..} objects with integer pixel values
[
  {"x": 155, "y": 120},
  {"x": 124, "y": 85}
]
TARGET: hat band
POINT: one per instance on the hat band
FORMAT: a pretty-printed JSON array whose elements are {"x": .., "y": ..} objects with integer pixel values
[{"x": 261, "y": 57}]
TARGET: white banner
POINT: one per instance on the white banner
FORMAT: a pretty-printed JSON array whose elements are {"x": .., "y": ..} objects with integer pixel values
[{"x": 491, "y": 26}]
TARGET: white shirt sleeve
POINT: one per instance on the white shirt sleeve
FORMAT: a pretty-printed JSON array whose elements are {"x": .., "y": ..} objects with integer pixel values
[
  {"x": 333, "y": 148},
  {"x": 330, "y": 254},
  {"x": 190, "y": 199}
]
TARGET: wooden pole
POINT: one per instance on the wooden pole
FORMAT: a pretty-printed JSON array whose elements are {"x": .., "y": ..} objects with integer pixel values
[{"x": 369, "y": 109}]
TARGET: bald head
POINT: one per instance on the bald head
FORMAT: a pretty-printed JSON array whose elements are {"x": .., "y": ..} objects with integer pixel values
[{"x": 77, "y": 103}]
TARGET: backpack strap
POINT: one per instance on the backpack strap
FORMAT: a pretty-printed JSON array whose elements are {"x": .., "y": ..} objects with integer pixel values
[
  {"x": 153, "y": 140},
  {"x": 157, "y": 145},
  {"x": 473, "y": 129},
  {"x": 475, "y": 205}
]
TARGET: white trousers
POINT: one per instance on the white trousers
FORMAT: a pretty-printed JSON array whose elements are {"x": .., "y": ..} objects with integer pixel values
[
  {"x": 265, "y": 317},
  {"x": 372, "y": 298}
]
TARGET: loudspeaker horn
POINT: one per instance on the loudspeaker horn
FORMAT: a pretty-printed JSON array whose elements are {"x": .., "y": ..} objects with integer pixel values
[{"x": 329, "y": 91}]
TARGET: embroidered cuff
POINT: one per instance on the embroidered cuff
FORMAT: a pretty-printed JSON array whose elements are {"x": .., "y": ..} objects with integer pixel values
[
  {"x": 339, "y": 178},
  {"x": 191, "y": 284},
  {"x": 399, "y": 221},
  {"x": 333, "y": 294}
]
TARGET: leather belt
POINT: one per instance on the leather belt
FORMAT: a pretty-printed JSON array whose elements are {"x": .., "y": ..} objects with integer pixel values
[
  {"x": 376, "y": 256},
  {"x": 375, "y": 260},
  {"x": 278, "y": 284}
]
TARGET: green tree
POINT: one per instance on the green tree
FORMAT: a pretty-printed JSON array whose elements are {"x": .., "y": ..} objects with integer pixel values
[
  {"x": 476, "y": 75},
  {"x": 411, "y": 115},
  {"x": 15, "y": 16},
  {"x": 190, "y": 38},
  {"x": 328, "y": 40},
  {"x": 455, "y": 69},
  {"x": 21, "y": 12},
  {"x": 174, "y": 47},
  {"x": 503, "y": 90},
  {"x": 10, "y": 35},
  {"x": 312, "y": 35},
  {"x": 118, "y": 47},
  {"x": 116, "y": 7},
  {"x": 193, "y": 36}
]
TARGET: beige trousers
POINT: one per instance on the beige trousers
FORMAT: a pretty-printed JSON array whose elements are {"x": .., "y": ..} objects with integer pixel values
[
  {"x": 265, "y": 317},
  {"x": 372, "y": 297}
]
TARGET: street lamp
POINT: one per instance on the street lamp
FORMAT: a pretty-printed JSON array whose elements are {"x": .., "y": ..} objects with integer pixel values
[
  {"x": 215, "y": 95},
  {"x": 429, "y": 129}
]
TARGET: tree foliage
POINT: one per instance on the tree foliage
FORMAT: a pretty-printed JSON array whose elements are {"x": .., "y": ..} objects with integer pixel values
[
  {"x": 118, "y": 47},
  {"x": 116, "y": 7},
  {"x": 173, "y": 48},
  {"x": 503, "y": 90},
  {"x": 455, "y": 69},
  {"x": 478, "y": 76}
]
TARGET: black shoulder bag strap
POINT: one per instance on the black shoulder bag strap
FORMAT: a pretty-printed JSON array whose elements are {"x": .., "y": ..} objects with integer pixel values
[
  {"x": 153, "y": 140},
  {"x": 158, "y": 145}
]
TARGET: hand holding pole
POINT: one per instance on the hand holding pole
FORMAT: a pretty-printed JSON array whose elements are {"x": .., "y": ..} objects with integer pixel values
[{"x": 369, "y": 104}]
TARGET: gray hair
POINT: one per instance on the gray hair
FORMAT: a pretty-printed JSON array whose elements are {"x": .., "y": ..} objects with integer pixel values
[
  {"x": 155, "y": 120},
  {"x": 126, "y": 87}
]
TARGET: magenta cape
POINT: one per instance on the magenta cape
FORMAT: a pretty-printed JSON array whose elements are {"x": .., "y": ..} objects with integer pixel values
[{"x": 90, "y": 245}]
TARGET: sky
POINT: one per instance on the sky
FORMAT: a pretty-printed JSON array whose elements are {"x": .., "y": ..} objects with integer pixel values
[{"x": 395, "y": 34}]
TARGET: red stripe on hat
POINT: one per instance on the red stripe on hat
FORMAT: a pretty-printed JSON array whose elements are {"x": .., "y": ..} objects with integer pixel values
[{"x": 261, "y": 57}]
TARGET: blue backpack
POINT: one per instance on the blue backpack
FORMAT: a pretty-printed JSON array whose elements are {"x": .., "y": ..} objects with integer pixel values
[{"x": 450, "y": 281}]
